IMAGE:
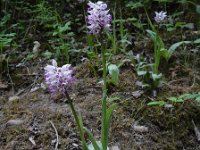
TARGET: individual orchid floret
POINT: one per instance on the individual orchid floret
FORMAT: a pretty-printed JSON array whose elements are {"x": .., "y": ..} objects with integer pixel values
[
  {"x": 98, "y": 19},
  {"x": 160, "y": 16},
  {"x": 58, "y": 78}
]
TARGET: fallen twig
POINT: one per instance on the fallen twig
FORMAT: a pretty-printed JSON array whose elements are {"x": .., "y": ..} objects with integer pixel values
[
  {"x": 57, "y": 140},
  {"x": 196, "y": 130}
]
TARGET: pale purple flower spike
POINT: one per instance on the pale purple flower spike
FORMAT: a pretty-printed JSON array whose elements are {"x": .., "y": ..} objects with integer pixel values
[
  {"x": 98, "y": 19},
  {"x": 160, "y": 16},
  {"x": 58, "y": 78}
]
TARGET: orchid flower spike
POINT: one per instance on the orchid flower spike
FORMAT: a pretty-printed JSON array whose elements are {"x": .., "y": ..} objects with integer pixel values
[
  {"x": 98, "y": 17},
  {"x": 160, "y": 16},
  {"x": 58, "y": 78}
]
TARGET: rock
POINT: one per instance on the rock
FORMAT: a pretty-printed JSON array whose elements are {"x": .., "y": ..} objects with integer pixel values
[
  {"x": 75, "y": 145},
  {"x": 137, "y": 94},
  {"x": 3, "y": 86},
  {"x": 139, "y": 128},
  {"x": 31, "y": 139},
  {"x": 115, "y": 147},
  {"x": 36, "y": 47},
  {"x": 14, "y": 122},
  {"x": 168, "y": 106},
  {"x": 13, "y": 98}
]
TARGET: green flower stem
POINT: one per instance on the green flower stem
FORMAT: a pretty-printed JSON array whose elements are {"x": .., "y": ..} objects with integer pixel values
[
  {"x": 157, "y": 54},
  {"x": 77, "y": 121},
  {"x": 104, "y": 134}
]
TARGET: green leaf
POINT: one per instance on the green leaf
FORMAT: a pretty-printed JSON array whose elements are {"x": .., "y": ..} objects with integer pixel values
[
  {"x": 112, "y": 99},
  {"x": 152, "y": 35},
  {"x": 47, "y": 54},
  {"x": 108, "y": 115},
  {"x": 197, "y": 41},
  {"x": 197, "y": 99},
  {"x": 173, "y": 99},
  {"x": 180, "y": 100},
  {"x": 66, "y": 27},
  {"x": 141, "y": 72},
  {"x": 94, "y": 145},
  {"x": 190, "y": 96},
  {"x": 179, "y": 24},
  {"x": 164, "y": 53},
  {"x": 131, "y": 19},
  {"x": 158, "y": 43},
  {"x": 174, "y": 46},
  {"x": 157, "y": 103},
  {"x": 188, "y": 26},
  {"x": 109, "y": 112},
  {"x": 184, "y": 95},
  {"x": 114, "y": 72},
  {"x": 134, "y": 5},
  {"x": 198, "y": 9},
  {"x": 156, "y": 76},
  {"x": 90, "y": 146},
  {"x": 80, "y": 120}
]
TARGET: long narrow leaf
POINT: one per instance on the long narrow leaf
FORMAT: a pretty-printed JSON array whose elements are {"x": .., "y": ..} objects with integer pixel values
[
  {"x": 108, "y": 115},
  {"x": 176, "y": 45},
  {"x": 91, "y": 137},
  {"x": 82, "y": 136},
  {"x": 152, "y": 35}
]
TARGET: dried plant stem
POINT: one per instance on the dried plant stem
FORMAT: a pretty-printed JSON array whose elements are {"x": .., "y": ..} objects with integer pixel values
[{"x": 57, "y": 140}]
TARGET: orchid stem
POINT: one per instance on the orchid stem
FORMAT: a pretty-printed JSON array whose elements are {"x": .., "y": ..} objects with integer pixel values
[
  {"x": 77, "y": 121},
  {"x": 104, "y": 127}
]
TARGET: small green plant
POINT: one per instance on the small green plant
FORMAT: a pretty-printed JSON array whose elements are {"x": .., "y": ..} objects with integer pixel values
[
  {"x": 57, "y": 78},
  {"x": 150, "y": 80},
  {"x": 64, "y": 35},
  {"x": 180, "y": 99},
  {"x": 6, "y": 40},
  {"x": 45, "y": 15},
  {"x": 160, "y": 51}
]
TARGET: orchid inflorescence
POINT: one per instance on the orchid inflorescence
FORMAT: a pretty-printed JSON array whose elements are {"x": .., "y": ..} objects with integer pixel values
[
  {"x": 98, "y": 18},
  {"x": 58, "y": 78},
  {"x": 160, "y": 16}
]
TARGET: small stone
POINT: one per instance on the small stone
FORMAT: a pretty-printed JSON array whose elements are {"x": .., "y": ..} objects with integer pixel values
[
  {"x": 75, "y": 145},
  {"x": 14, "y": 122},
  {"x": 115, "y": 147},
  {"x": 36, "y": 47},
  {"x": 168, "y": 106},
  {"x": 31, "y": 139},
  {"x": 3, "y": 86},
  {"x": 141, "y": 129},
  {"x": 137, "y": 94},
  {"x": 13, "y": 98}
]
